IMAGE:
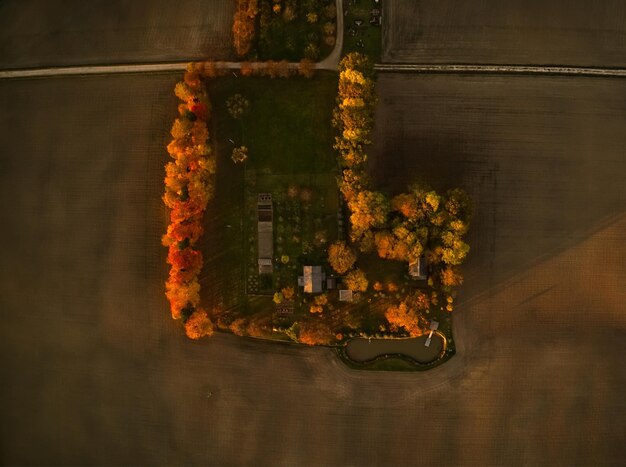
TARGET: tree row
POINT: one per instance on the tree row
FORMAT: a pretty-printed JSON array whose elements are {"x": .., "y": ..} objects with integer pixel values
[{"x": 189, "y": 186}]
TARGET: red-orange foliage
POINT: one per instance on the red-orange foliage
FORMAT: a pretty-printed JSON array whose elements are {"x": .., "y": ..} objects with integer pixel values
[
  {"x": 243, "y": 25},
  {"x": 315, "y": 333},
  {"x": 201, "y": 111},
  {"x": 187, "y": 259},
  {"x": 186, "y": 210},
  {"x": 188, "y": 189},
  {"x": 198, "y": 325},
  {"x": 238, "y": 327},
  {"x": 405, "y": 204},
  {"x": 246, "y": 69},
  {"x": 401, "y": 316},
  {"x": 182, "y": 295},
  {"x": 306, "y": 68},
  {"x": 407, "y": 314},
  {"x": 179, "y": 232}
]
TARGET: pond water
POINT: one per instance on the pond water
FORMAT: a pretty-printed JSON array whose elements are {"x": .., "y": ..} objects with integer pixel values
[{"x": 363, "y": 349}]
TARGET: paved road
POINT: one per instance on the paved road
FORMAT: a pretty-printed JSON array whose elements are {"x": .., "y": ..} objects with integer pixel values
[{"x": 502, "y": 69}]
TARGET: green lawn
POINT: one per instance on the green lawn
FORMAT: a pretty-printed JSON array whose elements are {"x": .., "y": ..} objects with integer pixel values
[{"x": 288, "y": 126}]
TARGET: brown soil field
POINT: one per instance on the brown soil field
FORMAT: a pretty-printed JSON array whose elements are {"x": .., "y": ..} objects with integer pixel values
[
  {"x": 36, "y": 33},
  {"x": 543, "y": 158},
  {"x": 524, "y": 32},
  {"x": 94, "y": 371}
]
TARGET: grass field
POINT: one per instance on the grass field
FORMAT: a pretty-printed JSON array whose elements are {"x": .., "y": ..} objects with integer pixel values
[
  {"x": 38, "y": 33},
  {"x": 288, "y": 127},
  {"x": 526, "y": 32}
]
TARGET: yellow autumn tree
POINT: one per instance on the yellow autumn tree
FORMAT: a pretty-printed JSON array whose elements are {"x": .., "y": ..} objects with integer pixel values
[{"x": 341, "y": 257}]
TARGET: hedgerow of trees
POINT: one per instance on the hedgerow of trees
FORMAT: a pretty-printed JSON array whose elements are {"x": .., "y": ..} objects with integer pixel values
[
  {"x": 190, "y": 182},
  {"x": 189, "y": 186},
  {"x": 268, "y": 68}
]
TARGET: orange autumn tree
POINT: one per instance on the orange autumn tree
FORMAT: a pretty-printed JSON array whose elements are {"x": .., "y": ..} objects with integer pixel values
[
  {"x": 313, "y": 332},
  {"x": 408, "y": 314},
  {"x": 189, "y": 186},
  {"x": 243, "y": 25},
  {"x": 198, "y": 325}
]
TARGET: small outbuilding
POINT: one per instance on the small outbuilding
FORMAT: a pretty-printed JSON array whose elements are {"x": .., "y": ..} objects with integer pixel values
[
  {"x": 346, "y": 296},
  {"x": 265, "y": 232},
  {"x": 419, "y": 269}
]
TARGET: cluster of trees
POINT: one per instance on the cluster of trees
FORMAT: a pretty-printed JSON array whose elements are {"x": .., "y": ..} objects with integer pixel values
[
  {"x": 244, "y": 25},
  {"x": 402, "y": 228},
  {"x": 425, "y": 222},
  {"x": 408, "y": 314},
  {"x": 189, "y": 185},
  {"x": 279, "y": 38},
  {"x": 315, "y": 332}
]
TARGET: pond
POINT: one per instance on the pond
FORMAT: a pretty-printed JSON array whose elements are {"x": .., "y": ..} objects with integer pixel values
[{"x": 363, "y": 349}]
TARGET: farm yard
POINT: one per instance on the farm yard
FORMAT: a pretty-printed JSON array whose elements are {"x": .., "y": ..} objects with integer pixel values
[
  {"x": 38, "y": 34},
  {"x": 522, "y": 32},
  {"x": 94, "y": 371}
]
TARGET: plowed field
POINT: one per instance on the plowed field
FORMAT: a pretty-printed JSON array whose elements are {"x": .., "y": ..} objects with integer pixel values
[
  {"x": 523, "y": 32},
  {"x": 46, "y": 33}
]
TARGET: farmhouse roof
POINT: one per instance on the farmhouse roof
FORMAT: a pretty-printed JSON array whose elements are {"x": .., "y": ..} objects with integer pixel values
[{"x": 313, "y": 277}]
